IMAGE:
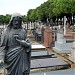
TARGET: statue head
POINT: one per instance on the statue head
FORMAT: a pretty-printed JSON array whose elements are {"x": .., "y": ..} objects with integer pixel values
[{"x": 16, "y": 21}]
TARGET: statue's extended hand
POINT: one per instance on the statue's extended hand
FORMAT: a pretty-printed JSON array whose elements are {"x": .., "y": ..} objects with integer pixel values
[{"x": 23, "y": 42}]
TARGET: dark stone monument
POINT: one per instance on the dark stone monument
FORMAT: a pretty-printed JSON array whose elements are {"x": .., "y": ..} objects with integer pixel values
[
  {"x": 38, "y": 34},
  {"x": 17, "y": 48}
]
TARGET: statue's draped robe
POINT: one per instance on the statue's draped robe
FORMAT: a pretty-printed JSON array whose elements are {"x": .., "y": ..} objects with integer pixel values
[{"x": 17, "y": 57}]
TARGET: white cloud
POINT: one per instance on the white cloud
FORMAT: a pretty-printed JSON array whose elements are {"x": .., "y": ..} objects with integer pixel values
[{"x": 21, "y": 6}]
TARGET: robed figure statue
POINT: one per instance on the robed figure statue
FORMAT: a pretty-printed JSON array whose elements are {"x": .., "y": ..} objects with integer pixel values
[{"x": 17, "y": 48}]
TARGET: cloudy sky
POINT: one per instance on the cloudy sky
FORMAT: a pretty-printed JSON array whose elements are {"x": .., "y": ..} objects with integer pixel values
[{"x": 20, "y": 6}]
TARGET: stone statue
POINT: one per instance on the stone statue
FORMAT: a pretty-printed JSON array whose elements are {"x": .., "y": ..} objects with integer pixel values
[{"x": 17, "y": 48}]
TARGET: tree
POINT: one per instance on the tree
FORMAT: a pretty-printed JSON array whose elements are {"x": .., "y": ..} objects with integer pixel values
[
  {"x": 24, "y": 18},
  {"x": 33, "y": 15},
  {"x": 4, "y": 19},
  {"x": 7, "y": 18},
  {"x": 63, "y": 6},
  {"x": 28, "y": 14}
]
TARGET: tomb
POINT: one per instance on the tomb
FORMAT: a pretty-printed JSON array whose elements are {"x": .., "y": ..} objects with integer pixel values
[
  {"x": 64, "y": 41},
  {"x": 38, "y": 47},
  {"x": 62, "y": 45},
  {"x": 41, "y": 55},
  {"x": 49, "y": 62}
]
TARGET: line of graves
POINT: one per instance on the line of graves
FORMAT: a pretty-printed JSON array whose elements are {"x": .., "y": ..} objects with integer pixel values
[
  {"x": 60, "y": 39},
  {"x": 40, "y": 57},
  {"x": 54, "y": 38},
  {"x": 59, "y": 42}
]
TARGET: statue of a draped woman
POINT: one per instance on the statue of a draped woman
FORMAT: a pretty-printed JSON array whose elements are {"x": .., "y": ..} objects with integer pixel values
[{"x": 17, "y": 48}]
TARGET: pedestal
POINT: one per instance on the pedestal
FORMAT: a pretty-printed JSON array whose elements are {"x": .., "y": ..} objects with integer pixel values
[{"x": 61, "y": 46}]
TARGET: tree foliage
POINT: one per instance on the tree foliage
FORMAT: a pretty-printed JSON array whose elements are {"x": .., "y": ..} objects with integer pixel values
[
  {"x": 24, "y": 18},
  {"x": 63, "y": 6},
  {"x": 53, "y": 8},
  {"x": 4, "y": 19}
]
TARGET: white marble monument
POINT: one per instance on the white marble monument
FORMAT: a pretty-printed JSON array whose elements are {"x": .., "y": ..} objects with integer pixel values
[{"x": 61, "y": 46}]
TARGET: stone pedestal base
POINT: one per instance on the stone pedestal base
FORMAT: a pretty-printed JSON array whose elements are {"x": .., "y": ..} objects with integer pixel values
[{"x": 63, "y": 47}]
